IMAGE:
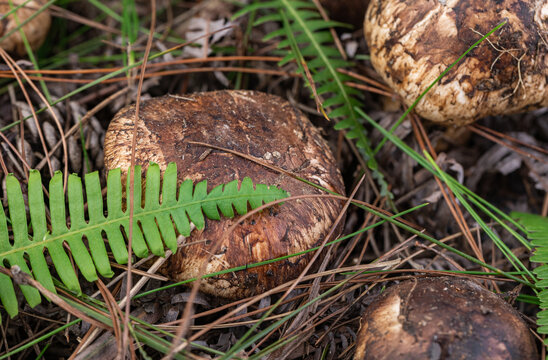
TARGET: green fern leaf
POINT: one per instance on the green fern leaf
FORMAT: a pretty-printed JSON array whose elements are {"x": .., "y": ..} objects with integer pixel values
[
  {"x": 536, "y": 227},
  {"x": 306, "y": 35},
  {"x": 155, "y": 223}
]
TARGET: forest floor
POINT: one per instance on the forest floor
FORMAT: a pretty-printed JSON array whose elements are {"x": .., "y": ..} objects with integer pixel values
[{"x": 89, "y": 74}]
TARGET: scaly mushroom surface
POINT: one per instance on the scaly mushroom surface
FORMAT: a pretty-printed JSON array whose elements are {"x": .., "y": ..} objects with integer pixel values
[
  {"x": 263, "y": 126},
  {"x": 442, "y": 318},
  {"x": 412, "y": 42}
]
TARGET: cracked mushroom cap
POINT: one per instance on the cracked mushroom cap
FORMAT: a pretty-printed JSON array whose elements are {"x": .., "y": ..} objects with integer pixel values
[
  {"x": 35, "y": 30},
  {"x": 263, "y": 126},
  {"x": 412, "y": 42},
  {"x": 442, "y": 318}
]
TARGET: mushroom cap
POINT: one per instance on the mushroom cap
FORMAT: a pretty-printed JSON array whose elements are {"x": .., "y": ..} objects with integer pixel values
[
  {"x": 35, "y": 30},
  {"x": 263, "y": 126},
  {"x": 442, "y": 318},
  {"x": 412, "y": 42}
]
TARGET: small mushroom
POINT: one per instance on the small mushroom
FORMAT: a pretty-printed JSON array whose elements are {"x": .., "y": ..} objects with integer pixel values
[
  {"x": 35, "y": 30},
  {"x": 442, "y": 318},
  {"x": 412, "y": 42},
  {"x": 263, "y": 126}
]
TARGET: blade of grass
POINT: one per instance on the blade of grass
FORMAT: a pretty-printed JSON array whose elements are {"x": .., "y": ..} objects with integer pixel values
[
  {"x": 120, "y": 19},
  {"x": 491, "y": 210},
  {"x": 130, "y": 30},
  {"x": 245, "y": 42},
  {"x": 301, "y": 63},
  {"x": 500, "y": 244},
  {"x": 455, "y": 186}
]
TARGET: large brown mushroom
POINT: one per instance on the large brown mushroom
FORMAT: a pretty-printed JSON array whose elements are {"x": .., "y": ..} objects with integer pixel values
[
  {"x": 263, "y": 126},
  {"x": 442, "y": 318},
  {"x": 35, "y": 30},
  {"x": 412, "y": 42}
]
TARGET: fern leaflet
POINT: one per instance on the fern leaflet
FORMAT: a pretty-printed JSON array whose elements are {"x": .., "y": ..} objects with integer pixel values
[
  {"x": 154, "y": 223},
  {"x": 536, "y": 227},
  {"x": 307, "y": 29}
]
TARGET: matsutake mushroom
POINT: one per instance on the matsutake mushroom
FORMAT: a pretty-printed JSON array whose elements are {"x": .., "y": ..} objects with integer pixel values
[
  {"x": 256, "y": 124},
  {"x": 35, "y": 30},
  {"x": 442, "y": 318},
  {"x": 412, "y": 42}
]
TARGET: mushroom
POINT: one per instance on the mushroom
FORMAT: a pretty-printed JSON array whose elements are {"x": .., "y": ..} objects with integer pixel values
[
  {"x": 442, "y": 318},
  {"x": 412, "y": 42},
  {"x": 264, "y": 127},
  {"x": 35, "y": 30}
]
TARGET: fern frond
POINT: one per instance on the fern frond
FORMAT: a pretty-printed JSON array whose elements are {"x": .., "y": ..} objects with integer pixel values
[
  {"x": 536, "y": 227},
  {"x": 155, "y": 223},
  {"x": 315, "y": 44}
]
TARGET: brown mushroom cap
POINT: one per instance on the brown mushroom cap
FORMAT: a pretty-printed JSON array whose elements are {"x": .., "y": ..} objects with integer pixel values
[
  {"x": 442, "y": 318},
  {"x": 263, "y": 126},
  {"x": 412, "y": 42},
  {"x": 35, "y": 30}
]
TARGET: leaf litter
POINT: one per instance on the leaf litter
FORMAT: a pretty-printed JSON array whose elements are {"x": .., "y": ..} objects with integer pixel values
[{"x": 330, "y": 331}]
